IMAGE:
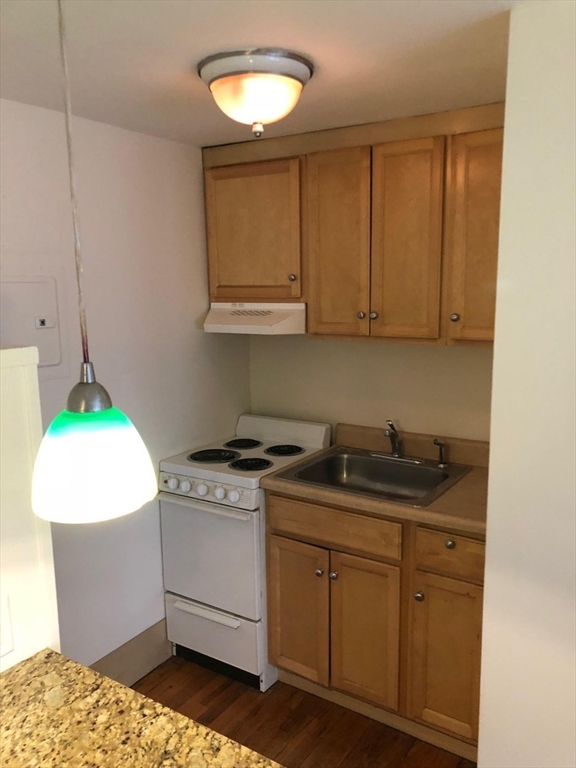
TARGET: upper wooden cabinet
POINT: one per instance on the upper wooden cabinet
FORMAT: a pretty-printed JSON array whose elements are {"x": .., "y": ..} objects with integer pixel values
[
  {"x": 399, "y": 239},
  {"x": 253, "y": 229},
  {"x": 374, "y": 239},
  {"x": 472, "y": 221},
  {"x": 396, "y": 291},
  {"x": 338, "y": 241},
  {"x": 407, "y": 186}
]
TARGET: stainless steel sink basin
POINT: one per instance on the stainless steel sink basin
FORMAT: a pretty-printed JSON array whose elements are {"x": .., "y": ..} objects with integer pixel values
[{"x": 416, "y": 482}]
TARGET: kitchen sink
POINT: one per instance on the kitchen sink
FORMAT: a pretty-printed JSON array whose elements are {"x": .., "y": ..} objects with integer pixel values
[{"x": 412, "y": 481}]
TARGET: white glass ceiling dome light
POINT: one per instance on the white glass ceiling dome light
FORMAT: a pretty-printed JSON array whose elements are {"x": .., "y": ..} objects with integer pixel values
[
  {"x": 76, "y": 477},
  {"x": 257, "y": 86}
]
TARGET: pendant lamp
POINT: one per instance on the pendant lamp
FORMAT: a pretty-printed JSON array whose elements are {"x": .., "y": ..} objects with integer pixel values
[
  {"x": 256, "y": 86},
  {"x": 76, "y": 475}
]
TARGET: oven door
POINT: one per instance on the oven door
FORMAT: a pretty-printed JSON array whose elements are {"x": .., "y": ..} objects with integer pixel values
[{"x": 211, "y": 554}]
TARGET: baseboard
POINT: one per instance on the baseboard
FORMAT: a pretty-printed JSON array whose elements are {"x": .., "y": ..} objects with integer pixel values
[
  {"x": 137, "y": 657},
  {"x": 419, "y": 731}
]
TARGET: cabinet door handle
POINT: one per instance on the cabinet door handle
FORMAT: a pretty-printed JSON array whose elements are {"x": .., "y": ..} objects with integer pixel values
[
  {"x": 454, "y": 317},
  {"x": 450, "y": 544},
  {"x": 360, "y": 315},
  {"x": 373, "y": 315},
  {"x": 333, "y": 575},
  {"x": 419, "y": 597},
  {"x": 292, "y": 278},
  {"x": 319, "y": 572}
]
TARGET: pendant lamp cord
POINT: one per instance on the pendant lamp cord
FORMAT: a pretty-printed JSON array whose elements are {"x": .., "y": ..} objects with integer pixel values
[{"x": 75, "y": 222}]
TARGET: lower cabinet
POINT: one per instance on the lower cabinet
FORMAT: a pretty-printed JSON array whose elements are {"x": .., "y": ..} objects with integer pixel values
[
  {"x": 445, "y": 647},
  {"x": 335, "y": 619},
  {"x": 298, "y": 615},
  {"x": 403, "y": 635}
]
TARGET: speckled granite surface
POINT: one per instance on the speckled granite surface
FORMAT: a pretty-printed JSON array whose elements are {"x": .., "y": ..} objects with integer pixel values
[{"x": 59, "y": 714}]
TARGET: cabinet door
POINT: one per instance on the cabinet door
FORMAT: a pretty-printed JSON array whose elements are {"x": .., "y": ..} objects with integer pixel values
[
  {"x": 445, "y": 664},
  {"x": 407, "y": 185},
  {"x": 298, "y": 608},
  {"x": 338, "y": 241},
  {"x": 253, "y": 223},
  {"x": 365, "y": 628},
  {"x": 473, "y": 217}
]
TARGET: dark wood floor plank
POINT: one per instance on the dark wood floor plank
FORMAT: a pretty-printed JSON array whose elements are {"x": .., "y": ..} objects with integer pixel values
[
  {"x": 421, "y": 756},
  {"x": 297, "y": 729},
  {"x": 385, "y": 747}
]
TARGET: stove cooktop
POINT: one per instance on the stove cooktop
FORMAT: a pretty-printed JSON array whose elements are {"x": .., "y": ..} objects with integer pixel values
[{"x": 261, "y": 446}]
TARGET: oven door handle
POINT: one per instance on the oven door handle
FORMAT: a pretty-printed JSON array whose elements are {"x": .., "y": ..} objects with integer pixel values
[
  {"x": 204, "y": 613},
  {"x": 213, "y": 509}
]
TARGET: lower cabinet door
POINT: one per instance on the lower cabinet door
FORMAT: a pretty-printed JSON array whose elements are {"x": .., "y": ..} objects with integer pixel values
[
  {"x": 445, "y": 663},
  {"x": 365, "y": 628},
  {"x": 298, "y": 601}
]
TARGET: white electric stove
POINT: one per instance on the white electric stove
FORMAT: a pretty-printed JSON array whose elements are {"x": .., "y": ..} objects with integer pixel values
[{"x": 213, "y": 544}]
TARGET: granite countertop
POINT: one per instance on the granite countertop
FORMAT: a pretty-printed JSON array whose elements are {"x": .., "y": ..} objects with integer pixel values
[
  {"x": 461, "y": 508},
  {"x": 56, "y": 713}
]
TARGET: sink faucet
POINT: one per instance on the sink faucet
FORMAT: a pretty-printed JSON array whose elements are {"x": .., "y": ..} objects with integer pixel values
[{"x": 395, "y": 439}]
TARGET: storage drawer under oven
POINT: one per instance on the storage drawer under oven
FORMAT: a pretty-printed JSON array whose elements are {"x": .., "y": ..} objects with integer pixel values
[
  {"x": 211, "y": 554},
  {"x": 216, "y": 634}
]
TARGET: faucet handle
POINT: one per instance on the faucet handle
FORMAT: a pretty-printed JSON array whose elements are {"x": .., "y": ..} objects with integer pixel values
[{"x": 441, "y": 453}]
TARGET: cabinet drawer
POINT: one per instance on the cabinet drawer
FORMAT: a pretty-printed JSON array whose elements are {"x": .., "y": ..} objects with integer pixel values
[
  {"x": 334, "y": 528},
  {"x": 451, "y": 555}
]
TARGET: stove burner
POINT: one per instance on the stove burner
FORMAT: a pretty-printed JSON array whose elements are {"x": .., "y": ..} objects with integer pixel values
[
  {"x": 284, "y": 450},
  {"x": 214, "y": 456},
  {"x": 243, "y": 442},
  {"x": 251, "y": 465}
]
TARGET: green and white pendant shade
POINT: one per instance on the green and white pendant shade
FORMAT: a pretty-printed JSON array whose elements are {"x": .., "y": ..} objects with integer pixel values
[
  {"x": 92, "y": 464},
  {"x": 91, "y": 467}
]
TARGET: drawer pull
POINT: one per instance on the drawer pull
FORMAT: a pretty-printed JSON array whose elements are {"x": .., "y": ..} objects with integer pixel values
[
  {"x": 203, "y": 613},
  {"x": 319, "y": 572},
  {"x": 450, "y": 544},
  {"x": 333, "y": 575},
  {"x": 419, "y": 597}
]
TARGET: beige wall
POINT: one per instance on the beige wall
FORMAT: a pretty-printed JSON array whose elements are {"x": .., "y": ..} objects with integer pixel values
[
  {"x": 436, "y": 390},
  {"x": 528, "y": 701},
  {"x": 142, "y": 225}
]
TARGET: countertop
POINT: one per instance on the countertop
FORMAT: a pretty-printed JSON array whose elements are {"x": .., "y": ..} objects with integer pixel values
[
  {"x": 59, "y": 714},
  {"x": 462, "y": 508}
]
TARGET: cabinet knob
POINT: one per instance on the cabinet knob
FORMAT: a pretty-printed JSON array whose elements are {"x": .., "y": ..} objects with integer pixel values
[
  {"x": 373, "y": 315},
  {"x": 454, "y": 317},
  {"x": 333, "y": 575},
  {"x": 450, "y": 544},
  {"x": 292, "y": 278},
  {"x": 419, "y": 597},
  {"x": 319, "y": 572},
  {"x": 360, "y": 315}
]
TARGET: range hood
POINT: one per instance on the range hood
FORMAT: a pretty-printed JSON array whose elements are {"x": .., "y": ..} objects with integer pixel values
[{"x": 244, "y": 317}]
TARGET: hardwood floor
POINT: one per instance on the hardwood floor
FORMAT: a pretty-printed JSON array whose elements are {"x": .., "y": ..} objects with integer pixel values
[{"x": 295, "y": 728}]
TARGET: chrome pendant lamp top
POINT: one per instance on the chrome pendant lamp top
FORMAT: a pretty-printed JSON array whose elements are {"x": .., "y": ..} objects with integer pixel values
[{"x": 256, "y": 86}]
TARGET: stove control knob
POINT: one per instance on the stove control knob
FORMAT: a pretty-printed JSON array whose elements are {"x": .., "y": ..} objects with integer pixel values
[
  {"x": 233, "y": 496},
  {"x": 220, "y": 493},
  {"x": 202, "y": 489},
  {"x": 186, "y": 486},
  {"x": 173, "y": 483}
]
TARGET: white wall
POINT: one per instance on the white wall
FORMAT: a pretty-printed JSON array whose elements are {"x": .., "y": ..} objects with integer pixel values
[
  {"x": 528, "y": 711},
  {"x": 435, "y": 390},
  {"x": 142, "y": 224}
]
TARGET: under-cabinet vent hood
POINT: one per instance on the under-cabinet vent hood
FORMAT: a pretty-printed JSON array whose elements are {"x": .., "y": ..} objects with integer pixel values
[{"x": 242, "y": 317}]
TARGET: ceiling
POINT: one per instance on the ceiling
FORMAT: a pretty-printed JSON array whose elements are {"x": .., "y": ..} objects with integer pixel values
[{"x": 132, "y": 62}]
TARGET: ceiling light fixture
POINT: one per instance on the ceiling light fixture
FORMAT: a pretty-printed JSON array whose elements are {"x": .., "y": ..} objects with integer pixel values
[
  {"x": 256, "y": 86},
  {"x": 75, "y": 476}
]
